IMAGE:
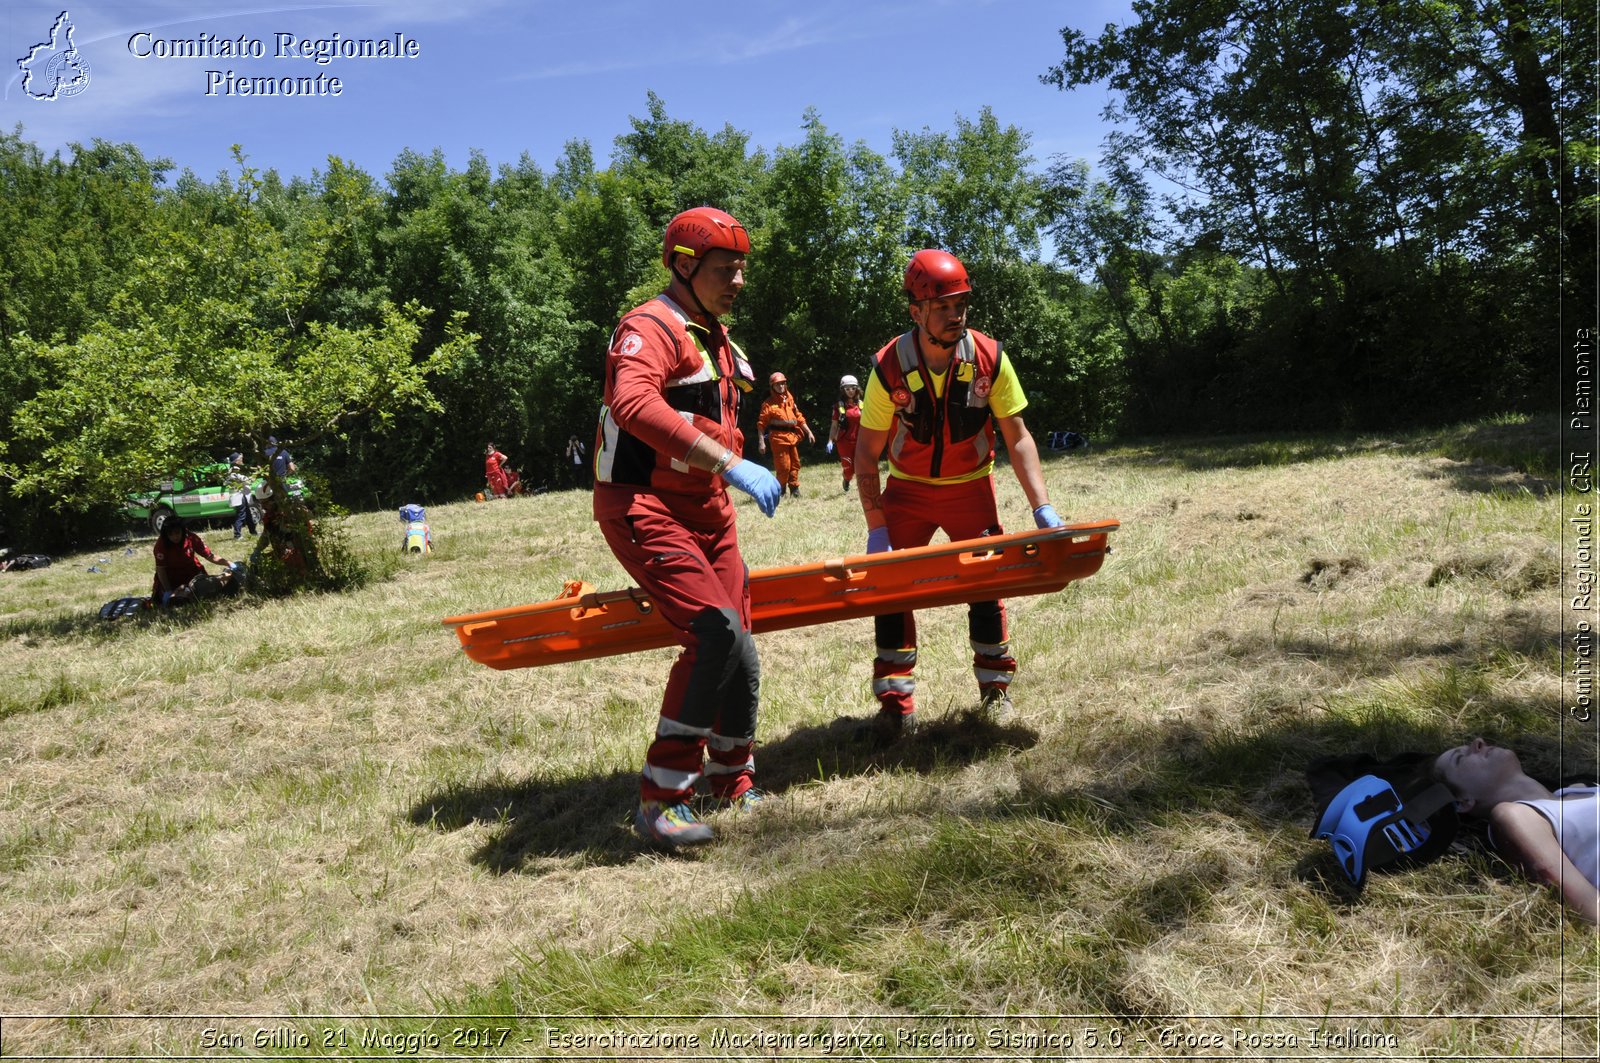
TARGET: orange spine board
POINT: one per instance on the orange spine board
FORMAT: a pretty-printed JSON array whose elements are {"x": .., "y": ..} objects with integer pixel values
[{"x": 587, "y": 624}]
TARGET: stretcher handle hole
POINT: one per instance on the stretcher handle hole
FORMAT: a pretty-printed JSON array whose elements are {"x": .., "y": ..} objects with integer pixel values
[
  {"x": 976, "y": 557},
  {"x": 591, "y": 603}
]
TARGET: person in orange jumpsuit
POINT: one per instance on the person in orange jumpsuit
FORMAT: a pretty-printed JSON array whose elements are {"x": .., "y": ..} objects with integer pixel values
[{"x": 781, "y": 423}]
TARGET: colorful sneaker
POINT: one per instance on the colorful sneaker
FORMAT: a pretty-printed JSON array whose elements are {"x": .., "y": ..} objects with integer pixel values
[
  {"x": 745, "y": 802},
  {"x": 996, "y": 706},
  {"x": 670, "y": 827}
]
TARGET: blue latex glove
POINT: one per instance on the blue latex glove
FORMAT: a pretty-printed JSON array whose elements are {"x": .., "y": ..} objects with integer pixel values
[
  {"x": 878, "y": 540},
  {"x": 1045, "y": 517},
  {"x": 754, "y": 480},
  {"x": 830, "y": 446}
]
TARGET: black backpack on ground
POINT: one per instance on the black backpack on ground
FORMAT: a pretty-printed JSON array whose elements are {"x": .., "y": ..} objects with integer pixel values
[{"x": 23, "y": 562}]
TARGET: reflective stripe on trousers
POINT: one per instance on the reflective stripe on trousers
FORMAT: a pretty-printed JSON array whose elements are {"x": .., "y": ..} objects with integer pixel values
[{"x": 699, "y": 583}]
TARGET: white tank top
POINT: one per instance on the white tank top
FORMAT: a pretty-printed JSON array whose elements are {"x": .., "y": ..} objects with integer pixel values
[{"x": 1574, "y": 814}]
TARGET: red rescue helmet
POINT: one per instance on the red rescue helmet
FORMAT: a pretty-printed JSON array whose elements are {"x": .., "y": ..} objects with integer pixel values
[
  {"x": 700, "y": 229},
  {"x": 934, "y": 274},
  {"x": 776, "y": 379}
]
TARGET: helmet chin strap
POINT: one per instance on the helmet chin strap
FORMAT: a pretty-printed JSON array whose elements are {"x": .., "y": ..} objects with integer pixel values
[
  {"x": 942, "y": 344},
  {"x": 688, "y": 282}
]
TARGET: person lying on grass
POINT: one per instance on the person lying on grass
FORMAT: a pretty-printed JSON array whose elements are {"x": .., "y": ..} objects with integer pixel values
[{"x": 1554, "y": 837}]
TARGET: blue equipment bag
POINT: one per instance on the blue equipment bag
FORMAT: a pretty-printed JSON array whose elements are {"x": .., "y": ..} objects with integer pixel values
[{"x": 1390, "y": 817}]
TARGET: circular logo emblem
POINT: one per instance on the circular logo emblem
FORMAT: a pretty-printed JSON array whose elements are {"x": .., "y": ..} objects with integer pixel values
[
  {"x": 631, "y": 345},
  {"x": 901, "y": 397},
  {"x": 981, "y": 387},
  {"x": 68, "y": 72}
]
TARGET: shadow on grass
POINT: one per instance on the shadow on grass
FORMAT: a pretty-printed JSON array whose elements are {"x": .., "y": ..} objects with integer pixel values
[
  {"x": 1493, "y": 456},
  {"x": 592, "y": 817},
  {"x": 89, "y": 627},
  {"x": 1206, "y": 453},
  {"x": 1523, "y": 633},
  {"x": 1260, "y": 775},
  {"x": 1486, "y": 478}
]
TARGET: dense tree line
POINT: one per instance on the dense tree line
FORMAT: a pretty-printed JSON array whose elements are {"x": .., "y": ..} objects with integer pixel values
[
  {"x": 1408, "y": 186},
  {"x": 1319, "y": 214}
]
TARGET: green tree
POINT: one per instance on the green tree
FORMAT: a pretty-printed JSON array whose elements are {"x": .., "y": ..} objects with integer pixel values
[
  {"x": 1158, "y": 325},
  {"x": 824, "y": 287},
  {"x": 69, "y": 230},
  {"x": 486, "y": 246},
  {"x": 611, "y": 248},
  {"x": 975, "y": 193},
  {"x": 1385, "y": 163},
  {"x": 208, "y": 346},
  {"x": 673, "y": 165}
]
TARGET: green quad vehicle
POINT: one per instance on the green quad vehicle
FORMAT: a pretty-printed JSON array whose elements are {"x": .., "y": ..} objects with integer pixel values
[{"x": 200, "y": 493}]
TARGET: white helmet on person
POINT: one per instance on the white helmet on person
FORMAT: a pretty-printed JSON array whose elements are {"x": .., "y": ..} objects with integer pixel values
[{"x": 848, "y": 381}]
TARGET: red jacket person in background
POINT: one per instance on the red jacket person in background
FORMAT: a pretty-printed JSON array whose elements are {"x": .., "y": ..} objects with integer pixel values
[
  {"x": 668, "y": 440},
  {"x": 782, "y": 423},
  {"x": 503, "y": 480},
  {"x": 934, "y": 399},
  {"x": 177, "y": 554},
  {"x": 845, "y": 425}
]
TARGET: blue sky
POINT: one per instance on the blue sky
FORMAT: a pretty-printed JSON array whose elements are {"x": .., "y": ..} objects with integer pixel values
[{"x": 512, "y": 78}]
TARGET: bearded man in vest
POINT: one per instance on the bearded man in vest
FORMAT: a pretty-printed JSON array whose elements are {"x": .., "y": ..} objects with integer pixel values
[
  {"x": 668, "y": 441},
  {"x": 934, "y": 398}
]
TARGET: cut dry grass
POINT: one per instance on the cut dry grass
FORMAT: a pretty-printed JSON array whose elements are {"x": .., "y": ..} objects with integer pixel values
[{"x": 319, "y": 806}]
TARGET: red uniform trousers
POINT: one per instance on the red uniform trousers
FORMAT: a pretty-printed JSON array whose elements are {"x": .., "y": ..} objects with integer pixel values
[
  {"x": 699, "y": 581},
  {"x": 914, "y": 511},
  {"x": 845, "y": 446}
]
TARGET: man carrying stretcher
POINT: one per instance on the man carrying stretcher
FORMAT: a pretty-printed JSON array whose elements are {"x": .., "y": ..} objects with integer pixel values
[
  {"x": 935, "y": 396},
  {"x": 668, "y": 440}
]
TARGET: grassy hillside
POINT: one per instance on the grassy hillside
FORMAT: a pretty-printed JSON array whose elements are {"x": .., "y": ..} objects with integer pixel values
[{"x": 320, "y": 807}]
